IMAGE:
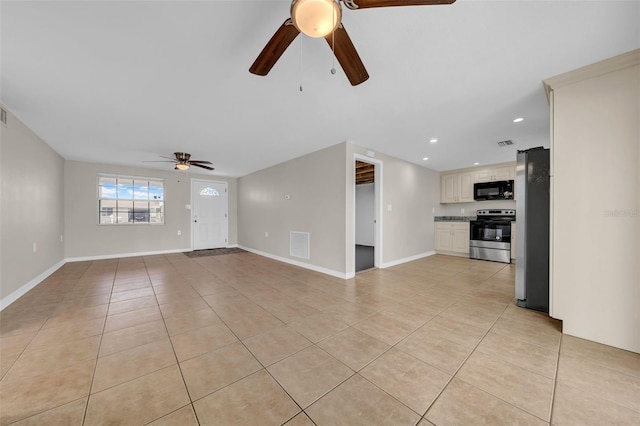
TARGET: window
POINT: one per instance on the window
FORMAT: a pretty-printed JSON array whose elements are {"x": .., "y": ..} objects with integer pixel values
[
  {"x": 126, "y": 200},
  {"x": 209, "y": 192}
]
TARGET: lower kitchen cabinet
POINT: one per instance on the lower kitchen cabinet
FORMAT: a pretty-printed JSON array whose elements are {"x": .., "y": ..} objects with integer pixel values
[{"x": 452, "y": 238}]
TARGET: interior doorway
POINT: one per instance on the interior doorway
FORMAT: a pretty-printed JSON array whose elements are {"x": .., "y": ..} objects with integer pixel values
[{"x": 366, "y": 224}]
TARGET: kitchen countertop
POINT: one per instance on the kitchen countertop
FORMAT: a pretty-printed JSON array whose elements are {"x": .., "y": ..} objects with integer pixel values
[{"x": 454, "y": 218}]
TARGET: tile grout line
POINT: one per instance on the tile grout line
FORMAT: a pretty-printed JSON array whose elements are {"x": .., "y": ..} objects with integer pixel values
[
  {"x": 186, "y": 388},
  {"x": 394, "y": 346},
  {"x": 468, "y": 356},
  {"x": 104, "y": 325},
  {"x": 259, "y": 362},
  {"x": 31, "y": 341},
  {"x": 242, "y": 288},
  {"x": 555, "y": 381},
  {"x": 462, "y": 365}
]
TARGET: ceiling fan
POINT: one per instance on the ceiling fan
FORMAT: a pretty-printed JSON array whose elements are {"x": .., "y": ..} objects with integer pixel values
[
  {"x": 323, "y": 18},
  {"x": 183, "y": 161}
]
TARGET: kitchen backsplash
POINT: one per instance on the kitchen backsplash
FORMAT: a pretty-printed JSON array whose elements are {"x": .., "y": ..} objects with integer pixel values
[{"x": 454, "y": 209}]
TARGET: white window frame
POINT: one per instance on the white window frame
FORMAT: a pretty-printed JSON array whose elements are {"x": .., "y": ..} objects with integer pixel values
[{"x": 99, "y": 176}]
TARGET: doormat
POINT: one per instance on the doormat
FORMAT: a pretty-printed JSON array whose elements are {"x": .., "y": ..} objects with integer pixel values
[{"x": 213, "y": 252}]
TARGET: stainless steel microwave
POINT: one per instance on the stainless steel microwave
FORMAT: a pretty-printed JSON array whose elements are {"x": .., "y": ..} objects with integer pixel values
[{"x": 498, "y": 190}]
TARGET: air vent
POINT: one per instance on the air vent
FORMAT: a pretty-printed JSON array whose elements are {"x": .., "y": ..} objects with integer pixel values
[
  {"x": 505, "y": 143},
  {"x": 299, "y": 244},
  {"x": 3, "y": 116}
]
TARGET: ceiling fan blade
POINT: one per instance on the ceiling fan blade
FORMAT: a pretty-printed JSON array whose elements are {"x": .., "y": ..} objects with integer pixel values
[
  {"x": 200, "y": 161},
  {"x": 283, "y": 37},
  {"x": 202, "y": 166},
  {"x": 347, "y": 56},
  {"x": 366, "y": 4},
  {"x": 159, "y": 161}
]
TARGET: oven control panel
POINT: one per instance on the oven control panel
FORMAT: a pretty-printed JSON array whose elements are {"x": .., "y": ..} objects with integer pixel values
[{"x": 497, "y": 212}]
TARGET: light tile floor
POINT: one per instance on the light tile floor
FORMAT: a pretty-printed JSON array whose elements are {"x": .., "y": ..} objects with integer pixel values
[{"x": 241, "y": 339}]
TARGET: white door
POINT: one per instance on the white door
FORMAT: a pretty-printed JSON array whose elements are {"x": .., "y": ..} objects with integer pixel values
[{"x": 208, "y": 214}]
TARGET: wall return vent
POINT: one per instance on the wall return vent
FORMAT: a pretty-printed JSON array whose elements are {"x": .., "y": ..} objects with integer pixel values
[
  {"x": 299, "y": 244},
  {"x": 505, "y": 143}
]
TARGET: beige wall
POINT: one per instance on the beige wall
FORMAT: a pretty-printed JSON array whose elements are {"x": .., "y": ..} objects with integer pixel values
[
  {"x": 322, "y": 190},
  {"x": 596, "y": 202},
  {"x": 32, "y": 208},
  {"x": 85, "y": 238},
  {"x": 316, "y": 184},
  {"x": 413, "y": 192}
]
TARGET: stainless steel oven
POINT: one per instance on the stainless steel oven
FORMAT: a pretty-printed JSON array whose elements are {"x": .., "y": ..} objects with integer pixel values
[{"x": 490, "y": 235}]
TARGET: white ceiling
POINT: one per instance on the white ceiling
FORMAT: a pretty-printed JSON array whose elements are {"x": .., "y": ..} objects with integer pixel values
[{"x": 123, "y": 82}]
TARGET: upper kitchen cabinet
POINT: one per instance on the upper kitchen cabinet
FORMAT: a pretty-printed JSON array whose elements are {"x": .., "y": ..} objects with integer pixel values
[
  {"x": 456, "y": 188},
  {"x": 494, "y": 174}
]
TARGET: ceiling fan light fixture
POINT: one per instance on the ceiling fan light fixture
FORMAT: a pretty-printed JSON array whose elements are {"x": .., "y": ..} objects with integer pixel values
[
  {"x": 182, "y": 166},
  {"x": 316, "y": 18}
]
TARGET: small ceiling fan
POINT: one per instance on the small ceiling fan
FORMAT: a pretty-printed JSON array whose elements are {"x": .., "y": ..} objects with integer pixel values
[
  {"x": 183, "y": 161},
  {"x": 323, "y": 18}
]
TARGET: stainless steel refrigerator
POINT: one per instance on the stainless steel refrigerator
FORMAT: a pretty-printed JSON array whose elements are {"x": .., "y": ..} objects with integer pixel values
[{"x": 532, "y": 229}]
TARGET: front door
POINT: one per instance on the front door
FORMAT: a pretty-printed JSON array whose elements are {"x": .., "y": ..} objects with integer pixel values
[{"x": 208, "y": 214}]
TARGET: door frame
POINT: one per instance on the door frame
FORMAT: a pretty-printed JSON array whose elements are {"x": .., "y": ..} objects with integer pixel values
[
  {"x": 226, "y": 208},
  {"x": 377, "y": 229}
]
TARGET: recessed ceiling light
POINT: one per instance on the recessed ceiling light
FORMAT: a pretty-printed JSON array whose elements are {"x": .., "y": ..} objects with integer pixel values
[
  {"x": 476, "y": 164},
  {"x": 425, "y": 158},
  {"x": 433, "y": 140},
  {"x": 518, "y": 120}
]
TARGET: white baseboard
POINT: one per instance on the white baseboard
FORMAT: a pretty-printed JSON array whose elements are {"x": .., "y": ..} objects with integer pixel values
[
  {"x": 9, "y": 299},
  {"x": 408, "y": 259},
  {"x": 320, "y": 269},
  {"x": 119, "y": 255},
  {"x": 6, "y": 301}
]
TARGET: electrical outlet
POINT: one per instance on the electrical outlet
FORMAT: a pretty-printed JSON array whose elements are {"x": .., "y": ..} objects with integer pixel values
[
  {"x": 179, "y": 232},
  {"x": 35, "y": 247},
  {"x": 462, "y": 211},
  {"x": 266, "y": 234},
  {"x": 61, "y": 238}
]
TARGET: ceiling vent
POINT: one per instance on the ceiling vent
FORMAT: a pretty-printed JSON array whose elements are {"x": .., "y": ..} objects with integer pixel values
[
  {"x": 3, "y": 116},
  {"x": 502, "y": 144}
]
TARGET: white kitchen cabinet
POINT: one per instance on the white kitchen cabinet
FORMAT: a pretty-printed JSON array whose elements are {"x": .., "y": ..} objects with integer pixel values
[
  {"x": 494, "y": 174},
  {"x": 466, "y": 187},
  {"x": 452, "y": 237},
  {"x": 504, "y": 173},
  {"x": 456, "y": 188},
  {"x": 448, "y": 188}
]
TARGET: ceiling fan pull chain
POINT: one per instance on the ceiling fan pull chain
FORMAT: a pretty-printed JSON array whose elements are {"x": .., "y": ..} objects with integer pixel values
[
  {"x": 301, "y": 64},
  {"x": 333, "y": 45}
]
